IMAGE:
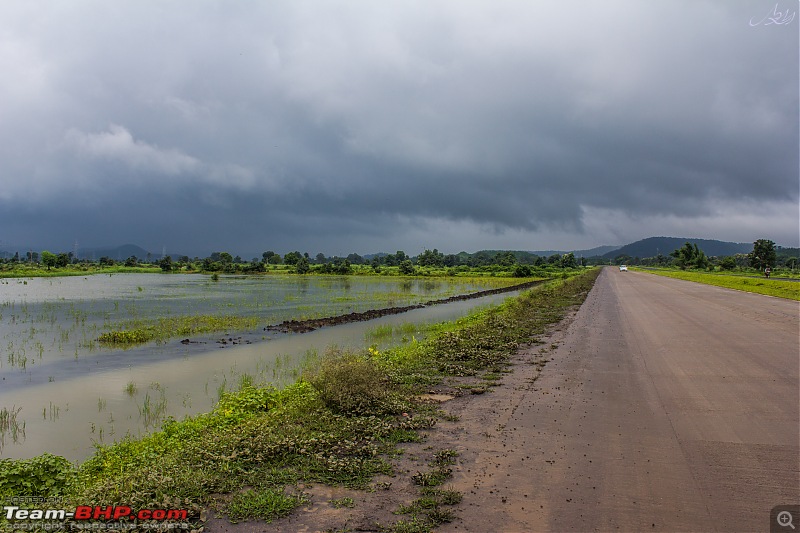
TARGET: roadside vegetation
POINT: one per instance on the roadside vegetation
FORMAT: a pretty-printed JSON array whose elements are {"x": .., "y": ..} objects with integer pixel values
[
  {"x": 781, "y": 262},
  {"x": 339, "y": 424},
  {"x": 739, "y": 281},
  {"x": 759, "y": 271}
]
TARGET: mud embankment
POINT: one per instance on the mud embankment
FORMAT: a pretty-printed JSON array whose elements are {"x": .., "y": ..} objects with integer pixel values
[{"x": 304, "y": 326}]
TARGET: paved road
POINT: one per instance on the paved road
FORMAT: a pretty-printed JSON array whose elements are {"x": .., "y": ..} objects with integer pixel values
[{"x": 668, "y": 406}]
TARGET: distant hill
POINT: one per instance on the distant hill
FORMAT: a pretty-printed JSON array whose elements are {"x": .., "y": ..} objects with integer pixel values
[
  {"x": 652, "y": 246},
  {"x": 591, "y": 252},
  {"x": 788, "y": 252},
  {"x": 594, "y": 252},
  {"x": 117, "y": 253}
]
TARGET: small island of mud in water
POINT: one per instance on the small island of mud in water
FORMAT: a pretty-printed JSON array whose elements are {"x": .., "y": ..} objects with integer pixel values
[{"x": 304, "y": 326}]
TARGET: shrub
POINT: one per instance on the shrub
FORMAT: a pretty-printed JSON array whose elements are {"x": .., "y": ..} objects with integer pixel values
[
  {"x": 406, "y": 268},
  {"x": 522, "y": 271},
  {"x": 352, "y": 384},
  {"x": 43, "y": 476}
]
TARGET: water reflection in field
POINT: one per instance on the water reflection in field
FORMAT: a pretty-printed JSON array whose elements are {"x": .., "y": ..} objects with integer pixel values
[{"x": 70, "y": 391}]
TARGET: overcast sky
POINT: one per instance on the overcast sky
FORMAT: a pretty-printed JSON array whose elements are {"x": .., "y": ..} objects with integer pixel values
[{"x": 373, "y": 126}]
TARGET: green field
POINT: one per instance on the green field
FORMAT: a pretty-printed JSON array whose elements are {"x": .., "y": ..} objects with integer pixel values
[
  {"x": 771, "y": 287},
  {"x": 24, "y": 270}
]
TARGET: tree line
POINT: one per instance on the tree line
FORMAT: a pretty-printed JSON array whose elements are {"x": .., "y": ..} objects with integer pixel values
[
  {"x": 519, "y": 263},
  {"x": 765, "y": 254}
]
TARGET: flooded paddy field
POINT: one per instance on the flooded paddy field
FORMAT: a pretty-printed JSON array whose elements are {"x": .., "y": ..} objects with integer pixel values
[{"x": 61, "y": 390}]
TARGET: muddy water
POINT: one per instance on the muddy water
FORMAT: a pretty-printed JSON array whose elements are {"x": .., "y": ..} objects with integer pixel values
[{"x": 68, "y": 403}]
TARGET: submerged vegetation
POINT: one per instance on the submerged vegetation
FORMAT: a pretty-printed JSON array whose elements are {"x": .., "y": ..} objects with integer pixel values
[
  {"x": 164, "y": 328},
  {"x": 338, "y": 424}
]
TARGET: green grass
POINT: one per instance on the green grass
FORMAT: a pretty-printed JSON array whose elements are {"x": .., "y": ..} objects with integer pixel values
[
  {"x": 164, "y": 328},
  {"x": 267, "y": 504},
  {"x": 771, "y": 287},
  {"x": 22, "y": 270},
  {"x": 338, "y": 425},
  {"x": 343, "y": 502}
]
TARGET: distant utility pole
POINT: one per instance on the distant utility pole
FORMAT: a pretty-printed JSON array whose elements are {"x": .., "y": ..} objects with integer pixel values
[
  {"x": 163, "y": 251},
  {"x": 75, "y": 250}
]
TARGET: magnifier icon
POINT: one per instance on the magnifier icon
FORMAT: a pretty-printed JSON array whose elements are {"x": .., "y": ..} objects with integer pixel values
[{"x": 785, "y": 519}]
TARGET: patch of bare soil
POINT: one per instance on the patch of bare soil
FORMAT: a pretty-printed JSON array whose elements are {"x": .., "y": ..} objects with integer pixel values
[{"x": 475, "y": 412}]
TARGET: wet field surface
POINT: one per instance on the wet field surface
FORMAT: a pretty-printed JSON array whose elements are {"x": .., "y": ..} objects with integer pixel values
[{"x": 68, "y": 391}]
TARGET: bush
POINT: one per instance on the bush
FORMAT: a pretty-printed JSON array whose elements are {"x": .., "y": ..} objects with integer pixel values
[
  {"x": 43, "y": 476},
  {"x": 406, "y": 268},
  {"x": 522, "y": 271},
  {"x": 352, "y": 384}
]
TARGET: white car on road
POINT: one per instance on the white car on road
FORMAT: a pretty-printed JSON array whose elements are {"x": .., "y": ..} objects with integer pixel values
[{"x": 623, "y": 268}]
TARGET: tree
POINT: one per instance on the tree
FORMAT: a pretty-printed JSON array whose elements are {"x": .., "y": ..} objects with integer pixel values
[
  {"x": 166, "y": 263},
  {"x": 568, "y": 260},
  {"x": 292, "y": 258},
  {"x": 302, "y": 266},
  {"x": 763, "y": 254},
  {"x": 356, "y": 259},
  {"x": 689, "y": 256},
  {"x": 430, "y": 258},
  {"x": 342, "y": 266},
  {"x": 505, "y": 258},
  {"x": 406, "y": 268},
  {"x": 132, "y": 261},
  {"x": 320, "y": 259},
  {"x": 48, "y": 259}
]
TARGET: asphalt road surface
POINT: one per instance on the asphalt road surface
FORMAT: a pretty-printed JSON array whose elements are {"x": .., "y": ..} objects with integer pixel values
[{"x": 667, "y": 406}]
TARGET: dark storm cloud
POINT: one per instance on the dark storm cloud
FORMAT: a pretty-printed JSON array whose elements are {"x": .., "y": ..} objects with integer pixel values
[{"x": 340, "y": 126}]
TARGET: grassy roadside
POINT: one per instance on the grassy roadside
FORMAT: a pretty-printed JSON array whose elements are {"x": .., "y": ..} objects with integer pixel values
[
  {"x": 771, "y": 287},
  {"x": 338, "y": 425}
]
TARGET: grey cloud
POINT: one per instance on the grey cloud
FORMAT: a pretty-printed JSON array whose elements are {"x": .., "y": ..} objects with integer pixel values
[{"x": 342, "y": 123}]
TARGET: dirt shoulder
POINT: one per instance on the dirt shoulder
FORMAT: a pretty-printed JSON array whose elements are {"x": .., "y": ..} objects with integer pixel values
[{"x": 474, "y": 410}]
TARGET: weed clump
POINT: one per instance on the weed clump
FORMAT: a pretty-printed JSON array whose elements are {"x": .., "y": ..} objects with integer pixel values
[
  {"x": 352, "y": 384},
  {"x": 43, "y": 476},
  {"x": 267, "y": 504}
]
